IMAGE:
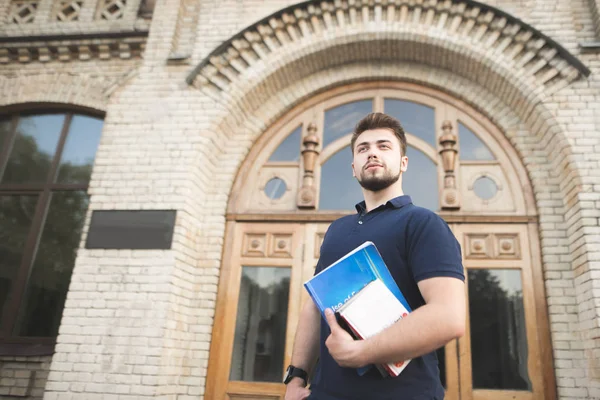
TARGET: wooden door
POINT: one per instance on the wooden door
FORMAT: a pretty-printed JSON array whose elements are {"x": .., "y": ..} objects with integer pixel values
[{"x": 502, "y": 356}]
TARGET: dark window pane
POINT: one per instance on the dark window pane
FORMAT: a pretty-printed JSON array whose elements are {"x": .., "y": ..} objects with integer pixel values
[
  {"x": 16, "y": 214},
  {"x": 49, "y": 279},
  {"x": 471, "y": 147},
  {"x": 420, "y": 181},
  {"x": 416, "y": 119},
  {"x": 289, "y": 149},
  {"x": 340, "y": 121},
  {"x": 441, "y": 355},
  {"x": 33, "y": 148},
  {"x": 339, "y": 189},
  {"x": 5, "y": 125},
  {"x": 498, "y": 335},
  {"x": 260, "y": 328},
  {"x": 80, "y": 148}
]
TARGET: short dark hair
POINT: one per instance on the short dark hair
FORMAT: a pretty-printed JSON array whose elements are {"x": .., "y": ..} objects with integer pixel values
[{"x": 379, "y": 120}]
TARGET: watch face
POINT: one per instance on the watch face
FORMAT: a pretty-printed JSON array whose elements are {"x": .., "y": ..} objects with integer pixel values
[{"x": 287, "y": 375}]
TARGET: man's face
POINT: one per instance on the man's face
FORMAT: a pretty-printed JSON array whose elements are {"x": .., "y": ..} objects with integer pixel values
[{"x": 377, "y": 162}]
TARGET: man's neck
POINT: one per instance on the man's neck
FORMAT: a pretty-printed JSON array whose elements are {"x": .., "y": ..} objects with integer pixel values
[{"x": 375, "y": 199}]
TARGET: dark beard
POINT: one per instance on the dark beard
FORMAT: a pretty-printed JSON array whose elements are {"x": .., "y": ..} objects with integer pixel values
[{"x": 375, "y": 184}]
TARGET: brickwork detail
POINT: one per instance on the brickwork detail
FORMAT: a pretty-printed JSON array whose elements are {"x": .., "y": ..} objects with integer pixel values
[
  {"x": 82, "y": 50},
  {"x": 111, "y": 9},
  {"x": 22, "y": 11},
  {"x": 67, "y": 10},
  {"x": 23, "y": 378},
  {"x": 185, "y": 30},
  {"x": 515, "y": 43},
  {"x": 23, "y": 18}
]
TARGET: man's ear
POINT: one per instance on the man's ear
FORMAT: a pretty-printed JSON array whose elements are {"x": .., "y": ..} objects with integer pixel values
[
  {"x": 404, "y": 164},
  {"x": 353, "y": 173}
]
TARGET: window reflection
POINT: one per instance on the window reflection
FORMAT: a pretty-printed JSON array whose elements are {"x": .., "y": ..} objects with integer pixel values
[
  {"x": 471, "y": 147},
  {"x": 16, "y": 215},
  {"x": 33, "y": 148},
  {"x": 498, "y": 334},
  {"x": 4, "y": 132},
  {"x": 441, "y": 355},
  {"x": 50, "y": 275},
  {"x": 340, "y": 121},
  {"x": 289, "y": 149},
  {"x": 415, "y": 118},
  {"x": 339, "y": 189},
  {"x": 420, "y": 181},
  {"x": 78, "y": 155},
  {"x": 261, "y": 323}
]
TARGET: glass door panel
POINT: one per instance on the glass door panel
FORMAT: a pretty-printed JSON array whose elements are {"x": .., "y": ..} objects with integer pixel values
[
  {"x": 499, "y": 357},
  {"x": 261, "y": 322},
  {"x": 257, "y": 310}
]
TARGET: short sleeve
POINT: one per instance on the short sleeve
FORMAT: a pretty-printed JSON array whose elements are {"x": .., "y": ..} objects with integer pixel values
[{"x": 432, "y": 251}]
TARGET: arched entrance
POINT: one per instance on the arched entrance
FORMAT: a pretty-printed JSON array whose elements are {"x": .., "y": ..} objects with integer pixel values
[{"x": 292, "y": 186}]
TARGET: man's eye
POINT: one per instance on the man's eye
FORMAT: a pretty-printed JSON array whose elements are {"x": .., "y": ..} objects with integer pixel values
[{"x": 361, "y": 149}]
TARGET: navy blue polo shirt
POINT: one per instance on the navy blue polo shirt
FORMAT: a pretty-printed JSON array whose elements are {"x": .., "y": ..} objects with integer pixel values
[{"x": 415, "y": 244}]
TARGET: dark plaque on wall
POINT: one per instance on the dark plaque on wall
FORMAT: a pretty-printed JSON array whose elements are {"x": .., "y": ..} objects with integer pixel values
[{"x": 131, "y": 229}]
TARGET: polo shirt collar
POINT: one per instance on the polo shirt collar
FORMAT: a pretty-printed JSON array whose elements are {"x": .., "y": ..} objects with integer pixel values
[{"x": 396, "y": 202}]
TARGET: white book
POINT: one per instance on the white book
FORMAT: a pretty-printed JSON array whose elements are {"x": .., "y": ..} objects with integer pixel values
[{"x": 370, "y": 311}]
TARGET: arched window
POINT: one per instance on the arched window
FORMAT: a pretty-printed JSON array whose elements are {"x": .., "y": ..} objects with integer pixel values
[{"x": 46, "y": 161}]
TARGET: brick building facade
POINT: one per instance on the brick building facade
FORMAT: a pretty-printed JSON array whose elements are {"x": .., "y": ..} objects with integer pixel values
[{"x": 191, "y": 91}]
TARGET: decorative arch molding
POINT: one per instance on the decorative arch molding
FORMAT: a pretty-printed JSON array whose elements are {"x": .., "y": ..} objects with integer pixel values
[
  {"x": 62, "y": 88},
  {"x": 455, "y": 35}
]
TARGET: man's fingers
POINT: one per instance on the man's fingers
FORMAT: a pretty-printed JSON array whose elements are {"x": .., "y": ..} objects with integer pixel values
[{"x": 330, "y": 316}]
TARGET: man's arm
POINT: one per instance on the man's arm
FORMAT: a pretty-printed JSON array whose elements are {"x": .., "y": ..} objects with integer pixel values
[
  {"x": 306, "y": 346},
  {"x": 424, "y": 330}
]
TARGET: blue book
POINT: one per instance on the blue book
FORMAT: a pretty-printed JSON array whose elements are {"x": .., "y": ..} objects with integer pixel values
[{"x": 336, "y": 284}]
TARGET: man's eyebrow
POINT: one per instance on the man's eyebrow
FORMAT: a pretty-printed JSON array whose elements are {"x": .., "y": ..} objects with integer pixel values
[{"x": 378, "y": 142}]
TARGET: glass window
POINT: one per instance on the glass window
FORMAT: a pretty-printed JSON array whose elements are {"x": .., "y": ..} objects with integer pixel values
[
  {"x": 51, "y": 272},
  {"x": 471, "y": 147},
  {"x": 16, "y": 214},
  {"x": 36, "y": 265},
  {"x": 4, "y": 133},
  {"x": 79, "y": 153},
  {"x": 341, "y": 120},
  {"x": 339, "y": 189},
  {"x": 420, "y": 181},
  {"x": 485, "y": 188},
  {"x": 498, "y": 334},
  {"x": 289, "y": 149},
  {"x": 275, "y": 188},
  {"x": 261, "y": 323},
  {"x": 33, "y": 148},
  {"x": 416, "y": 119}
]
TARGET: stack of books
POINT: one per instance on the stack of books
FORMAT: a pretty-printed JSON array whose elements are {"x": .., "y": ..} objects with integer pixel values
[{"x": 361, "y": 291}]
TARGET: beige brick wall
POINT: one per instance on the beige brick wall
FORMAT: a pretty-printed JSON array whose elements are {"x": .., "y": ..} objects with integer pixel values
[
  {"x": 137, "y": 324},
  {"x": 23, "y": 377}
]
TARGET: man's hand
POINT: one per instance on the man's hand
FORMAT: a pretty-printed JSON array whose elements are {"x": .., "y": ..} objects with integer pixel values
[
  {"x": 295, "y": 390},
  {"x": 346, "y": 351}
]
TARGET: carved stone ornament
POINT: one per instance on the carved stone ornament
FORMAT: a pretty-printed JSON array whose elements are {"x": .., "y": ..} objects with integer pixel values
[
  {"x": 450, "y": 197},
  {"x": 307, "y": 195}
]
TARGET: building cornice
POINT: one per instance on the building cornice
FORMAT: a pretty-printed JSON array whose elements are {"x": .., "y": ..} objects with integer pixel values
[{"x": 70, "y": 47}]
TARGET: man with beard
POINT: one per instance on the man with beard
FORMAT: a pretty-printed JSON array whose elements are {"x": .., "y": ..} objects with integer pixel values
[{"x": 425, "y": 261}]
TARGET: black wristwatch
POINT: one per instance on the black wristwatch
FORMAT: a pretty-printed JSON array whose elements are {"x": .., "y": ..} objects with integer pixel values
[{"x": 293, "y": 372}]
